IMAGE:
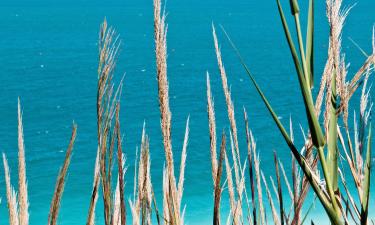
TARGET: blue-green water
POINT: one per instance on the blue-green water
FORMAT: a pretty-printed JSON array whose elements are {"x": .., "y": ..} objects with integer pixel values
[{"x": 48, "y": 57}]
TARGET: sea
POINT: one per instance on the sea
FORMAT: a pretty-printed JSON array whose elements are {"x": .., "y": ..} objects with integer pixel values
[{"x": 49, "y": 58}]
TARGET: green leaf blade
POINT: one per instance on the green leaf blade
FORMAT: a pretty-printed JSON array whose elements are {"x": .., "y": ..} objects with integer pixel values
[{"x": 310, "y": 43}]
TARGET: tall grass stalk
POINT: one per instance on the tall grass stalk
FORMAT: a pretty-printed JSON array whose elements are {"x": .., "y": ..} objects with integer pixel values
[
  {"x": 22, "y": 185},
  {"x": 329, "y": 141},
  {"x": 60, "y": 183},
  {"x": 18, "y": 205},
  {"x": 172, "y": 191},
  {"x": 323, "y": 137}
]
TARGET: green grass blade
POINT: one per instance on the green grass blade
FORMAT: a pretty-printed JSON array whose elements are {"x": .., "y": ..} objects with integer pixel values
[
  {"x": 315, "y": 128},
  {"x": 316, "y": 131},
  {"x": 332, "y": 138},
  {"x": 288, "y": 36},
  {"x": 366, "y": 182},
  {"x": 330, "y": 166},
  {"x": 310, "y": 43},
  {"x": 299, "y": 158}
]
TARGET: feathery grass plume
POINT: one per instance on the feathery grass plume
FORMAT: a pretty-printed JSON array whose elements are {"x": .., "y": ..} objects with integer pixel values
[
  {"x": 107, "y": 101},
  {"x": 141, "y": 205},
  {"x": 212, "y": 130},
  {"x": 171, "y": 195},
  {"x": 237, "y": 164},
  {"x": 183, "y": 161},
  {"x": 11, "y": 195},
  {"x": 217, "y": 187},
  {"x": 94, "y": 193},
  {"x": 116, "y": 216},
  {"x": 22, "y": 183},
  {"x": 228, "y": 98},
  {"x": 121, "y": 172},
  {"x": 236, "y": 188},
  {"x": 60, "y": 183}
]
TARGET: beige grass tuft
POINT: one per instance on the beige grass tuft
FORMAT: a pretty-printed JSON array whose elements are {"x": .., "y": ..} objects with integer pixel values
[
  {"x": 22, "y": 183},
  {"x": 11, "y": 195},
  {"x": 212, "y": 130}
]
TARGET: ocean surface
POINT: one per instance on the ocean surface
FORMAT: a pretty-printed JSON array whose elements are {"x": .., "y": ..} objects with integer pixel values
[{"x": 48, "y": 58}]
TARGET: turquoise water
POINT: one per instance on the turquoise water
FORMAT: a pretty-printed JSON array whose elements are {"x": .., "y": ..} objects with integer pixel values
[{"x": 48, "y": 57}]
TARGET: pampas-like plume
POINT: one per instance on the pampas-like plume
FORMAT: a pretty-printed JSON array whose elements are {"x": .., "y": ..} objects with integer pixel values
[
  {"x": 60, "y": 183},
  {"x": 228, "y": 98},
  {"x": 235, "y": 189},
  {"x": 171, "y": 195},
  {"x": 117, "y": 211},
  {"x": 141, "y": 205},
  {"x": 22, "y": 184},
  {"x": 161, "y": 62},
  {"x": 120, "y": 164},
  {"x": 217, "y": 185},
  {"x": 212, "y": 129},
  {"x": 107, "y": 105},
  {"x": 183, "y": 162},
  {"x": 11, "y": 195},
  {"x": 336, "y": 19},
  {"x": 232, "y": 199},
  {"x": 94, "y": 193}
]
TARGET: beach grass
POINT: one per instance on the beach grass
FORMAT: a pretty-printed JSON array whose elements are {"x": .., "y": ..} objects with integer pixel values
[{"x": 330, "y": 145}]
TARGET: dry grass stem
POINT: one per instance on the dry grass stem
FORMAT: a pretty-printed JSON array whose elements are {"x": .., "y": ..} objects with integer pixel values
[
  {"x": 212, "y": 129},
  {"x": 228, "y": 98},
  {"x": 11, "y": 195},
  {"x": 22, "y": 183},
  {"x": 60, "y": 183}
]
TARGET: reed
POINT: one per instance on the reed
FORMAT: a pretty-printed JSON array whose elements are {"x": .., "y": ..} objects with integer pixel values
[
  {"x": 218, "y": 188},
  {"x": 120, "y": 210},
  {"x": 60, "y": 183},
  {"x": 325, "y": 137},
  {"x": 11, "y": 195},
  {"x": 18, "y": 205},
  {"x": 141, "y": 206},
  {"x": 22, "y": 185},
  {"x": 172, "y": 191},
  {"x": 212, "y": 130},
  {"x": 329, "y": 145},
  {"x": 108, "y": 125}
]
